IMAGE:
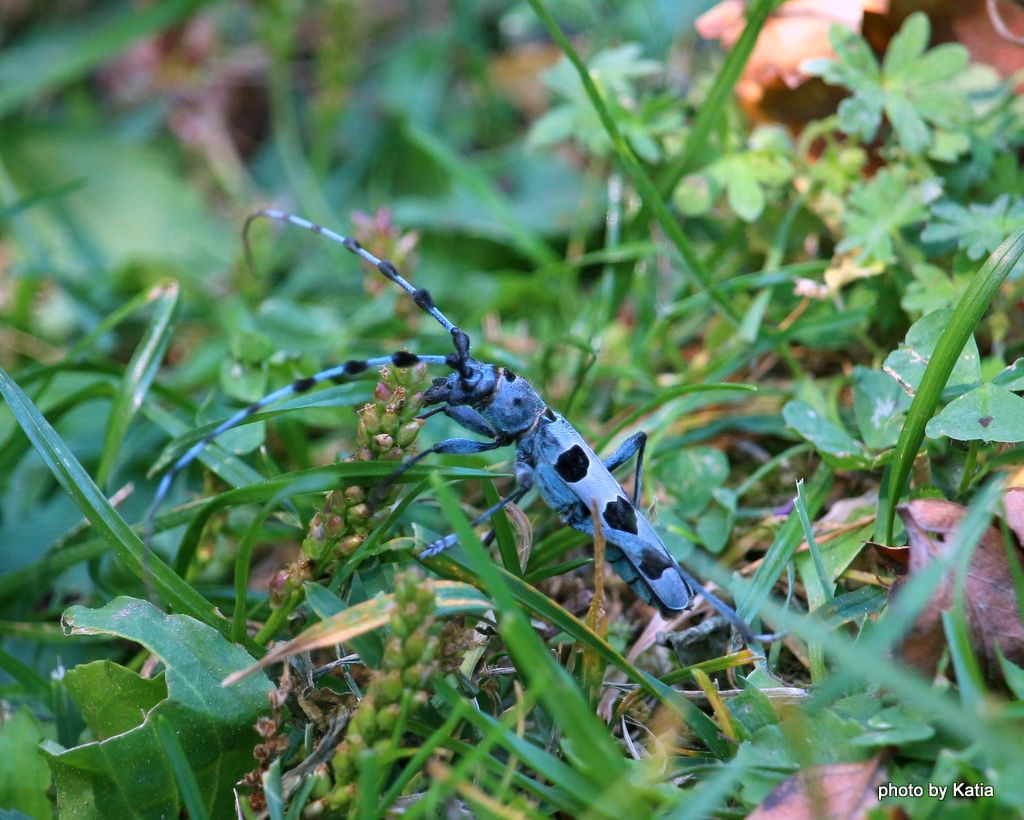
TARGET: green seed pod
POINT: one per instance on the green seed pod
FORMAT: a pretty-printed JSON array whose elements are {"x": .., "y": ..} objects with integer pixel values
[
  {"x": 391, "y": 686},
  {"x": 407, "y": 433},
  {"x": 388, "y": 717},
  {"x": 394, "y": 658},
  {"x": 370, "y": 420},
  {"x": 360, "y": 512},
  {"x": 362, "y": 437},
  {"x": 365, "y": 718},
  {"x": 383, "y": 442},
  {"x": 389, "y": 422},
  {"x": 355, "y": 495},
  {"x": 414, "y": 646}
]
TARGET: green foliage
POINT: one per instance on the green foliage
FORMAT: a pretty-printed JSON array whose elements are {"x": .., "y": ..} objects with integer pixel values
[
  {"x": 913, "y": 88},
  {"x": 828, "y": 310},
  {"x": 213, "y": 724}
]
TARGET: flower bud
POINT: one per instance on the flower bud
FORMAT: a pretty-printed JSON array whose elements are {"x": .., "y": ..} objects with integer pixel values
[{"x": 407, "y": 433}]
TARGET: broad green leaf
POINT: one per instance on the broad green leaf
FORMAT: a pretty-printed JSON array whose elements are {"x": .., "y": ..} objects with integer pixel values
[
  {"x": 907, "y": 363},
  {"x": 878, "y": 406},
  {"x": 987, "y": 413},
  {"x": 835, "y": 445},
  {"x": 24, "y": 776},
  {"x": 134, "y": 206},
  {"x": 112, "y": 699},
  {"x": 129, "y": 774},
  {"x": 691, "y": 477}
]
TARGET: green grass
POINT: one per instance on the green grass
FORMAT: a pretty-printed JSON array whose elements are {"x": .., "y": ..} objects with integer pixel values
[{"x": 772, "y": 318}]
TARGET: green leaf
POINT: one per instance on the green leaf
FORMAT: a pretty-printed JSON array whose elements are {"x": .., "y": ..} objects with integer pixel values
[
  {"x": 692, "y": 476},
  {"x": 978, "y": 229},
  {"x": 913, "y": 88},
  {"x": 932, "y": 289},
  {"x": 907, "y": 364},
  {"x": 97, "y": 508},
  {"x": 112, "y": 699},
  {"x": 1012, "y": 378},
  {"x": 878, "y": 406},
  {"x": 947, "y": 353},
  {"x": 881, "y": 207},
  {"x": 214, "y": 724},
  {"x": 835, "y": 445},
  {"x": 987, "y": 413},
  {"x": 138, "y": 376},
  {"x": 24, "y": 777},
  {"x": 135, "y": 206}
]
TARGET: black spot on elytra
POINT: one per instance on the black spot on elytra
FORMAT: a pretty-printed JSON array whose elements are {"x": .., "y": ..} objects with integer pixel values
[
  {"x": 620, "y": 515},
  {"x": 572, "y": 465},
  {"x": 985, "y": 421},
  {"x": 403, "y": 358},
  {"x": 354, "y": 366},
  {"x": 423, "y": 298},
  {"x": 653, "y": 563},
  {"x": 388, "y": 269},
  {"x": 302, "y": 385},
  {"x": 549, "y": 414},
  {"x": 253, "y": 408},
  {"x": 510, "y": 376},
  {"x": 351, "y": 244}
]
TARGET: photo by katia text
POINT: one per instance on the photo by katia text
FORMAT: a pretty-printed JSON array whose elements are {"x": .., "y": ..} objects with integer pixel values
[{"x": 939, "y": 790}]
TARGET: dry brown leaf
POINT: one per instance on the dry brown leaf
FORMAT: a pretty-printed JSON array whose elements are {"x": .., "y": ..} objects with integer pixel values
[
  {"x": 1013, "y": 507},
  {"x": 993, "y": 619},
  {"x": 837, "y": 791}
]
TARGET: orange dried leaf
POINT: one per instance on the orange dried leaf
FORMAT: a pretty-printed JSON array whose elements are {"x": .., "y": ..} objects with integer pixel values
[{"x": 841, "y": 791}]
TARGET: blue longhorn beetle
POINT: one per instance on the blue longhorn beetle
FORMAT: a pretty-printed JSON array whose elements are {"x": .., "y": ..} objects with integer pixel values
[{"x": 504, "y": 409}]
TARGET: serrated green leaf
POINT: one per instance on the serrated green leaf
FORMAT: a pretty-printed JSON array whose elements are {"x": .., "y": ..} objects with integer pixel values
[
  {"x": 879, "y": 208},
  {"x": 912, "y": 86},
  {"x": 978, "y": 229},
  {"x": 987, "y": 413}
]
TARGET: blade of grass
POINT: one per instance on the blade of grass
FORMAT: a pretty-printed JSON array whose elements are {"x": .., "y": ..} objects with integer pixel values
[
  {"x": 475, "y": 181},
  {"x": 713, "y": 106},
  {"x": 105, "y": 519},
  {"x": 547, "y": 680},
  {"x": 965, "y": 319},
  {"x": 138, "y": 376},
  {"x": 652, "y": 199},
  {"x": 533, "y": 600},
  {"x": 188, "y": 787}
]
